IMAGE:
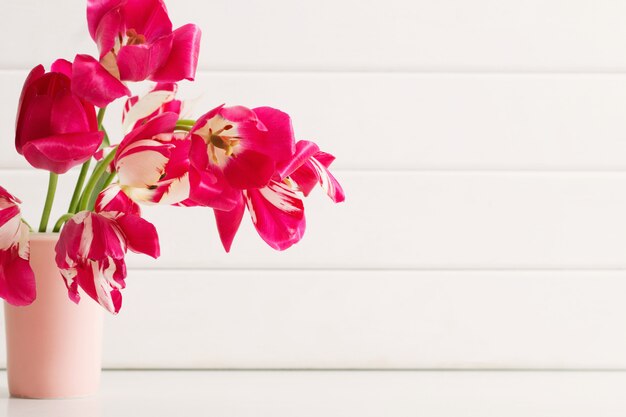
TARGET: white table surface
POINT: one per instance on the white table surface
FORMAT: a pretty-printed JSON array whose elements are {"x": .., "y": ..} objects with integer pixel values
[{"x": 338, "y": 393}]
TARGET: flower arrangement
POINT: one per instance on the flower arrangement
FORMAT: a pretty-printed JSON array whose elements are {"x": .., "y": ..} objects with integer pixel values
[{"x": 230, "y": 159}]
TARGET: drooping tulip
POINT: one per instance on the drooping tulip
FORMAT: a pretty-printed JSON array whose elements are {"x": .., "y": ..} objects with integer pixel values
[
  {"x": 17, "y": 281},
  {"x": 277, "y": 210},
  {"x": 136, "y": 42},
  {"x": 55, "y": 130},
  {"x": 92, "y": 245}
]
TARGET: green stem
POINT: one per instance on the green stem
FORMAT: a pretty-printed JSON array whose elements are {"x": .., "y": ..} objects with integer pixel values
[
  {"x": 79, "y": 187},
  {"x": 64, "y": 218},
  {"x": 108, "y": 181},
  {"x": 45, "y": 216},
  {"x": 105, "y": 141},
  {"x": 101, "y": 116},
  {"x": 186, "y": 128},
  {"x": 95, "y": 176},
  {"x": 189, "y": 122},
  {"x": 104, "y": 181}
]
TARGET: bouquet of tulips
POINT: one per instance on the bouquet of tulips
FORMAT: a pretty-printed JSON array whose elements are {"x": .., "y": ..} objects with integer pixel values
[{"x": 229, "y": 159}]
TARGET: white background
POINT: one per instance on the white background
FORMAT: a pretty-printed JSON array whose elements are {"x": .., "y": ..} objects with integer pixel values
[{"x": 482, "y": 147}]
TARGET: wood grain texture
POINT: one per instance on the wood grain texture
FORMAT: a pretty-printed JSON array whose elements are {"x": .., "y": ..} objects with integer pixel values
[
  {"x": 369, "y": 319},
  {"x": 482, "y": 148},
  {"x": 400, "y": 220},
  {"x": 416, "y": 121},
  {"x": 451, "y": 35}
]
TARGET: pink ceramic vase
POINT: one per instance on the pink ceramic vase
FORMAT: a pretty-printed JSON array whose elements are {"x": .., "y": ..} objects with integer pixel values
[{"x": 54, "y": 346}]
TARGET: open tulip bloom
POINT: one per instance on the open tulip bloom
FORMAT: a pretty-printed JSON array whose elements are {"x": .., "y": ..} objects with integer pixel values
[{"x": 231, "y": 159}]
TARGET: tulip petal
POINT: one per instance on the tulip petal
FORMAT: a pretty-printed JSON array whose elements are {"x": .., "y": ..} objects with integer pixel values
[
  {"x": 278, "y": 140},
  {"x": 113, "y": 199},
  {"x": 137, "y": 108},
  {"x": 141, "y": 235},
  {"x": 8, "y": 197},
  {"x": 106, "y": 240},
  {"x": 96, "y": 9},
  {"x": 304, "y": 151},
  {"x": 12, "y": 227},
  {"x": 328, "y": 182},
  {"x": 228, "y": 222},
  {"x": 206, "y": 188},
  {"x": 142, "y": 163},
  {"x": 92, "y": 82},
  {"x": 33, "y": 121},
  {"x": 98, "y": 283},
  {"x": 17, "y": 280},
  {"x": 138, "y": 62},
  {"x": 163, "y": 123},
  {"x": 62, "y": 66},
  {"x": 183, "y": 58},
  {"x": 60, "y": 153},
  {"x": 34, "y": 74},
  {"x": 206, "y": 191},
  {"x": 25, "y": 97},
  {"x": 147, "y": 17},
  {"x": 70, "y": 241},
  {"x": 9, "y": 211},
  {"x": 173, "y": 192},
  {"x": 309, "y": 167},
  {"x": 314, "y": 172},
  {"x": 277, "y": 213},
  {"x": 68, "y": 115},
  {"x": 306, "y": 177},
  {"x": 249, "y": 169},
  {"x": 109, "y": 29}
]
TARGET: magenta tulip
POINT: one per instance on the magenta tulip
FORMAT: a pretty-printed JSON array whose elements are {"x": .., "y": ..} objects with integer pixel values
[
  {"x": 55, "y": 129},
  {"x": 238, "y": 147},
  {"x": 136, "y": 42}
]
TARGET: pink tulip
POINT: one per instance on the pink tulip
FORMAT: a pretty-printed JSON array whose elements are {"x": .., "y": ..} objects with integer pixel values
[
  {"x": 239, "y": 147},
  {"x": 136, "y": 42},
  {"x": 277, "y": 211},
  {"x": 17, "y": 281},
  {"x": 55, "y": 130},
  {"x": 92, "y": 245}
]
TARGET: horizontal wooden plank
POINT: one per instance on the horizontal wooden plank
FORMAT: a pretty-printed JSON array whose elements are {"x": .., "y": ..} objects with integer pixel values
[
  {"x": 369, "y": 319},
  {"x": 417, "y": 122},
  {"x": 406, "y": 220},
  {"x": 352, "y": 34}
]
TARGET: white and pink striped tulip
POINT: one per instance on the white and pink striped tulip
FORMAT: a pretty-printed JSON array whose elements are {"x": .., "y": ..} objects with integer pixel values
[{"x": 92, "y": 246}]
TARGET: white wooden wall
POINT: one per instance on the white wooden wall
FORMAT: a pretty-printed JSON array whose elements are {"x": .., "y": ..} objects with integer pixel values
[{"x": 482, "y": 146}]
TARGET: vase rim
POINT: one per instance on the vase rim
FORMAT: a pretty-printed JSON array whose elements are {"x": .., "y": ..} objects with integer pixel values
[{"x": 44, "y": 236}]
